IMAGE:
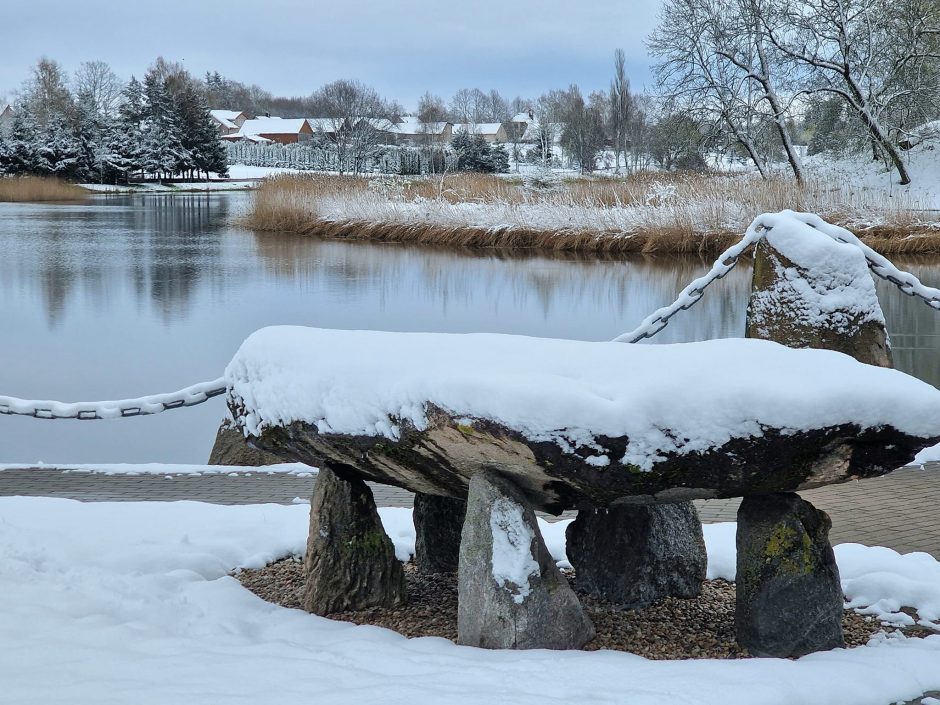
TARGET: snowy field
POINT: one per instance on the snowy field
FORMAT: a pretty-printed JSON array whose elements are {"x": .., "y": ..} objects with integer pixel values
[{"x": 133, "y": 602}]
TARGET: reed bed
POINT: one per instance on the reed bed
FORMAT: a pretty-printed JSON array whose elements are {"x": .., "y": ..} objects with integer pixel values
[
  {"x": 646, "y": 213},
  {"x": 35, "y": 189}
]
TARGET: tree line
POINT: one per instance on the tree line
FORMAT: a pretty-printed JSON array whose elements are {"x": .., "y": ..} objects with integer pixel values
[{"x": 93, "y": 127}]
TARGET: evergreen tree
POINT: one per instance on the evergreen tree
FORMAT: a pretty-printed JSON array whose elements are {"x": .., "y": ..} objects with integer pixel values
[{"x": 474, "y": 153}]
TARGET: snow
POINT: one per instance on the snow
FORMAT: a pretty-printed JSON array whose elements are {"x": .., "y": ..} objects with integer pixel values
[
  {"x": 411, "y": 127},
  {"x": 477, "y": 128},
  {"x": 115, "y": 603},
  {"x": 226, "y": 118},
  {"x": 271, "y": 126},
  {"x": 929, "y": 454},
  {"x": 828, "y": 286},
  {"x": 873, "y": 180},
  {"x": 181, "y": 187},
  {"x": 166, "y": 469},
  {"x": 569, "y": 392},
  {"x": 512, "y": 562}
]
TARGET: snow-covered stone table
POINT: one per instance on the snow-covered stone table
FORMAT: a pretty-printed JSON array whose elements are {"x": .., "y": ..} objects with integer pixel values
[{"x": 627, "y": 434}]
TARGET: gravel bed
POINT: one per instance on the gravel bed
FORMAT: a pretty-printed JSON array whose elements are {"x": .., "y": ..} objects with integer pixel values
[{"x": 668, "y": 629}]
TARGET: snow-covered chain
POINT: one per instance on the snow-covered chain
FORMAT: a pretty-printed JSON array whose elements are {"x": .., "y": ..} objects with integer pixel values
[
  {"x": 91, "y": 410},
  {"x": 693, "y": 293}
]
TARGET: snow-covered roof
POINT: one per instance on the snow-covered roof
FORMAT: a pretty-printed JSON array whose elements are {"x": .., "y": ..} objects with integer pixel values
[
  {"x": 325, "y": 124},
  {"x": 382, "y": 124},
  {"x": 478, "y": 128},
  {"x": 273, "y": 126},
  {"x": 258, "y": 139},
  {"x": 226, "y": 118},
  {"x": 521, "y": 117},
  {"x": 532, "y": 130},
  {"x": 411, "y": 126},
  {"x": 6, "y": 109}
]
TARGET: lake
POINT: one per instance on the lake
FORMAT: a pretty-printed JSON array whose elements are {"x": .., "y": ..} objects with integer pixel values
[{"x": 131, "y": 295}]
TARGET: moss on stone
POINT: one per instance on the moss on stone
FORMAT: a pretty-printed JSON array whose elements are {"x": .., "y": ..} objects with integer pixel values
[{"x": 793, "y": 551}]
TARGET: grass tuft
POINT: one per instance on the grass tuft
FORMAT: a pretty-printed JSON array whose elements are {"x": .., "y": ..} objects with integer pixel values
[{"x": 34, "y": 189}]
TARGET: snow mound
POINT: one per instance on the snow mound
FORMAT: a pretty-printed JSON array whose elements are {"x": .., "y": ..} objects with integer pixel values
[
  {"x": 665, "y": 398},
  {"x": 132, "y": 602}
]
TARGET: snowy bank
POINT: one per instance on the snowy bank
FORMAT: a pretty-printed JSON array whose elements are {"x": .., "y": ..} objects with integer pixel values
[{"x": 116, "y": 603}]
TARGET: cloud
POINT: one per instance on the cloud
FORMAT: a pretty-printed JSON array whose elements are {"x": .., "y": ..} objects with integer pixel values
[{"x": 292, "y": 47}]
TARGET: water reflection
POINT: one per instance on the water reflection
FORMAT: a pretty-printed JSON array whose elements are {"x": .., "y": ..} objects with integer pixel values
[{"x": 126, "y": 296}]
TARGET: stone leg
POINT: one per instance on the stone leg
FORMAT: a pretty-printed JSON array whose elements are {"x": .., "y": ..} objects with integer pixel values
[
  {"x": 438, "y": 524},
  {"x": 350, "y": 562},
  {"x": 789, "y": 599},
  {"x": 510, "y": 593},
  {"x": 637, "y": 554}
]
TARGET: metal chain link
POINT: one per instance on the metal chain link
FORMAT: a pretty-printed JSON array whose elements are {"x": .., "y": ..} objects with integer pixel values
[
  {"x": 89, "y": 411},
  {"x": 695, "y": 291},
  {"x": 879, "y": 265}
]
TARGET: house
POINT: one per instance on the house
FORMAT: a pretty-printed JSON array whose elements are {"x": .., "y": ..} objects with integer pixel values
[
  {"x": 518, "y": 124},
  {"x": 6, "y": 117},
  {"x": 327, "y": 127},
  {"x": 490, "y": 131},
  {"x": 412, "y": 131},
  {"x": 282, "y": 131},
  {"x": 228, "y": 122}
]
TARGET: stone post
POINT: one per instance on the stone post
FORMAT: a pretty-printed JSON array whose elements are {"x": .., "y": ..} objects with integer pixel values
[
  {"x": 789, "y": 598},
  {"x": 438, "y": 525},
  {"x": 798, "y": 306},
  {"x": 637, "y": 554},
  {"x": 808, "y": 291},
  {"x": 350, "y": 562},
  {"x": 511, "y": 594}
]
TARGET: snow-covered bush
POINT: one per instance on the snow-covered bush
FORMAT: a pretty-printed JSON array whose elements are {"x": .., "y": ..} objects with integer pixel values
[{"x": 541, "y": 180}]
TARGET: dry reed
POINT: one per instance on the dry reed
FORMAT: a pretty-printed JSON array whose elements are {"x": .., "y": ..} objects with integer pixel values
[
  {"x": 646, "y": 213},
  {"x": 34, "y": 189}
]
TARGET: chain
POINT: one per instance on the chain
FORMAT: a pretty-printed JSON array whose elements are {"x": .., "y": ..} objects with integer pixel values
[
  {"x": 88, "y": 411},
  {"x": 880, "y": 265},
  {"x": 694, "y": 292}
]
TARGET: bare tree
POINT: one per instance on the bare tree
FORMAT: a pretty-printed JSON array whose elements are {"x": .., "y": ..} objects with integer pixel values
[
  {"x": 620, "y": 107},
  {"x": 354, "y": 115},
  {"x": 715, "y": 63},
  {"x": 99, "y": 85},
  {"x": 45, "y": 94}
]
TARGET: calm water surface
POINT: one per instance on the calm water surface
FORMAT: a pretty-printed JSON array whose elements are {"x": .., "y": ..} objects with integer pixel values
[{"x": 127, "y": 296}]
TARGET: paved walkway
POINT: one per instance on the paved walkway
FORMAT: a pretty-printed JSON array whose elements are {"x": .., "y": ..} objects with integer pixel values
[{"x": 900, "y": 510}]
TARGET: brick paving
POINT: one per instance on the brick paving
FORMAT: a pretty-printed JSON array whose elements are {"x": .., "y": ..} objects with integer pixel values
[{"x": 899, "y": 510}]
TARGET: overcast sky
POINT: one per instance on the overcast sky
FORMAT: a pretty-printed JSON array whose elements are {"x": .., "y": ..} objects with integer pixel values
[{"x": 291, "y": 47}]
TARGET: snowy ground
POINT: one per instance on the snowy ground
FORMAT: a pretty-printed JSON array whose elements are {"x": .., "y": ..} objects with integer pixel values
[
  {"x": 133, "y": 602},
  {"x": 873, "y": 178}
]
